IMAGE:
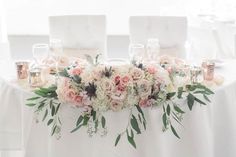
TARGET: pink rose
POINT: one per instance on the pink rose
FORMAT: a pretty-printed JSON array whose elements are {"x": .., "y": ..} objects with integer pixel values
[
  {"x": 169, "y": 69},
  {"x": 145, "y": 103},
  {"x": 117, "y": 80},
  {"x": 151, "y": 70},
  {"x": 70, "y": 95},
  {"x": 125, "y": 79},
  {"x": 76, "y": 71},
  {"x": 121, "y": 87},
  {"x": 78, "y": 100}
]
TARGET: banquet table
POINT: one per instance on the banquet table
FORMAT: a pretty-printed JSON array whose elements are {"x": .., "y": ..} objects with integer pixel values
[{"x": 209, "y": 131}]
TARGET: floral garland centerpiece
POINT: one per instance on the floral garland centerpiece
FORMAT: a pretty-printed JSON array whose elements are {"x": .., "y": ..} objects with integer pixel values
[{"x": 98, "y": 88}]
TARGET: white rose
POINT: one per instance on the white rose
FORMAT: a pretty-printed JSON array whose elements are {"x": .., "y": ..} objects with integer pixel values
[
  {"x": 107, "y": 85},
  {"x": 144, "y": 88},
  {"x": 119, "y": 95},
  {"x": 116, "y": 105},
  {"x": 136, "y": 74}
]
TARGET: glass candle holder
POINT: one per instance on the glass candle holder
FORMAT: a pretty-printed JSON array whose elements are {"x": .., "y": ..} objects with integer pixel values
[
  {"x": 208, "y": 70},
  {"x": 35, "y": 77},
  {"x": 196, "y": 75},
  {"x": 22, "y": 68}
]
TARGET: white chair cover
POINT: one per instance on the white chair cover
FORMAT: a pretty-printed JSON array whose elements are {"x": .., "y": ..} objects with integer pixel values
[
  {"x": 203, "y": 43},
  {"x": 171, "y": 32},
  {"x": 4, "y": 51},
  {"x": 80, "y": 34},
  {"x": 225, "y": 35}
]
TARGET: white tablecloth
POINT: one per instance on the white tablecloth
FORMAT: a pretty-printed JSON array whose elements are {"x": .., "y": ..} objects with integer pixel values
[{"x": 209, "y": 131}]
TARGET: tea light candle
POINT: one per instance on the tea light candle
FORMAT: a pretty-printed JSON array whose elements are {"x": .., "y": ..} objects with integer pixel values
[
  {"x": 22, "y": 68},
  {"x": 35, "y": 77}
]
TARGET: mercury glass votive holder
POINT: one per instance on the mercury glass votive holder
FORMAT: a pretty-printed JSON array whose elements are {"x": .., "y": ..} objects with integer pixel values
[
  {"x": 22, "y": 68},
  {"x": 196, "y": 75},
  {"x": 208, "y": 70},
  {"x": 35, "y": 77}
]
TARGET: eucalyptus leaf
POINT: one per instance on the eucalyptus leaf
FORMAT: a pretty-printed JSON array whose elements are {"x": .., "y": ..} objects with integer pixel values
[
  {"x": 177, "y": 120},
  {"x": 58, "y": 106},
  {"x": 53, "y": 130},
  {"x": 180, "y": 92},
  {"x": 140, "y": 111},
  {"x": 134, "y": 124},
  {"x": 164, "y": 120},
  {"x": 117, "y": 139},
  {"x": 50, "y": 122},
  {"x": 190, "y": 100},
  {"x": 64, "y": 73},
  {"x": 45, "y": 114},
  {"x": 200, "y": 101},
  {"x": 41, "y": 106},
  {"x": 40, "y": 93},
  {"x": 103, "y": 122},
  {"x": 144, "y": 125},
  {"x": 75, "y": 129},
  {"x": 53, "y": 110},
  {"x": 140, "y": 119},
  {"x": 206, "y": 98},
  {"x": 176, "y": 108},
  {"x": 168, "y": 109},
  {"x": 94, "y": 113},
  {"x": 30, "y": 104},
  {"x": 174, "y": 131},
  {"x": 131, "y": 141},
  {"x": 51, "y": 103},
  {"x": 131, "y": 133},
  {"x": 80, "y": 119},
  {"x": 33, "y": 98},
  {"x": 86, "y": 119},
  {"x": 170, "y": 95}
]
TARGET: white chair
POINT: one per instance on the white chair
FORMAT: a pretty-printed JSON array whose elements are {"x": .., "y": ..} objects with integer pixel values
[
  {"x": 80, "y": 34},
  {"x": 171, "y": 32},
  {"x": 203, "y": 43},
  {"x": 4, "y": 45},
  {"x": 225, "y": 36}
]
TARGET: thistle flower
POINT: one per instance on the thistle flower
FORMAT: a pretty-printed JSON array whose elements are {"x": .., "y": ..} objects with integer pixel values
[{"x": 91, "y": 90}]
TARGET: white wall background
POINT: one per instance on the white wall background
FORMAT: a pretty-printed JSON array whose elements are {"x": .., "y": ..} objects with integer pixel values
[{"x": 30, "y": 16}]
